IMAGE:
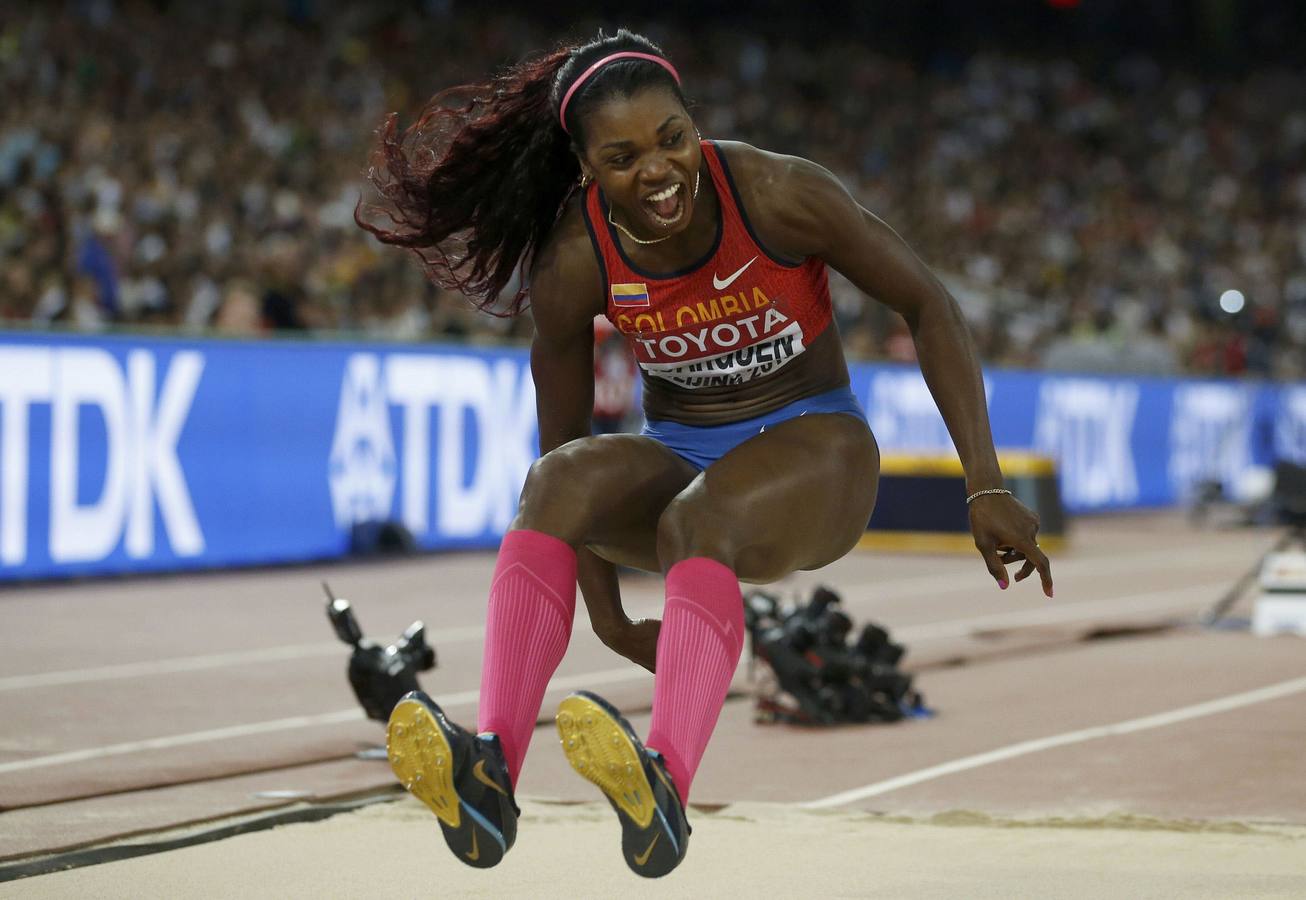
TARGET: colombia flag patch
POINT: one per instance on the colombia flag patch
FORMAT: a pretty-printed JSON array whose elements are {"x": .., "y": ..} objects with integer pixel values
[{"x": 631, "y": 294}]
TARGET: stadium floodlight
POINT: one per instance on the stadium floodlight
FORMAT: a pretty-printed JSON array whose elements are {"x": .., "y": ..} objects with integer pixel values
[{"x": 1232, "y": 301}]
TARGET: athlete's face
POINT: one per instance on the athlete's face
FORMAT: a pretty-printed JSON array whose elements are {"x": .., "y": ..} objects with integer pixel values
[{"x": 643, "y": 151}]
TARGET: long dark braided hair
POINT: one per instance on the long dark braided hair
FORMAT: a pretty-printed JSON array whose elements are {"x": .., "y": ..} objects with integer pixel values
[{"x": 475, "y": 184}]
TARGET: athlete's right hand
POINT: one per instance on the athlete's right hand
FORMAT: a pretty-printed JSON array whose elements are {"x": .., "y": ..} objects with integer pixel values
[{"x": 1006, "y": 531}]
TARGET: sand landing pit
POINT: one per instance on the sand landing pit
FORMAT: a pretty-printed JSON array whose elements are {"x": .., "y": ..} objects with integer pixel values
[{"x": 744, "y": 850}]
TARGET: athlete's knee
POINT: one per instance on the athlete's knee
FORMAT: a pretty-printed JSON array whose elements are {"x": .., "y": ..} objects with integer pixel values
[
  {"x": 692, "y": 525},
  {"x": 554, "y": 498}
]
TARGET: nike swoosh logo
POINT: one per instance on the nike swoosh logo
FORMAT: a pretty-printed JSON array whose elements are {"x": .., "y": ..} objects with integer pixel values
[
  {"x": 475, "y": 853},
  {"x": 643, "y": 857},
  {"x": 721, "y": 284},
  {"x": 478, "y": 772}
]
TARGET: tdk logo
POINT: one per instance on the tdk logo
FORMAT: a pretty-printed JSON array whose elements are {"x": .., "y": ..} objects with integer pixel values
[
  {"x": 1087, "y": 424},
  {"x": 362, "y": 467},
  {"x": 1290, "y": 429},
  {"x": 1210, "y": 428},
  {"x": 467, "y": 436},
  {"x": 89, "y": 393},
  {"x": 903, "y": 414}
]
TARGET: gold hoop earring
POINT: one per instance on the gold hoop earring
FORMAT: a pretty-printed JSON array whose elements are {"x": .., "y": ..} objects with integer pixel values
[{"x": 585, "y": 180}]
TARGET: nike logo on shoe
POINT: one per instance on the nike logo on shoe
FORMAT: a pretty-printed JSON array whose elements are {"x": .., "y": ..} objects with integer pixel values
[
  {"x": 643, "y": 857},
  {"x": 478, "y": 772},
  {"x": 475, "y": 853},
  {"x": 722, "y": 283}
]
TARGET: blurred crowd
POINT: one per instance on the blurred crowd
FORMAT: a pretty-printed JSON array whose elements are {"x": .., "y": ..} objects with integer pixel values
[{"x": 195, "y": 167}]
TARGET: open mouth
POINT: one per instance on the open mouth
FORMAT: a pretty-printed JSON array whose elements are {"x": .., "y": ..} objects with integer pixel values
[{"x": 667, "y": 206}]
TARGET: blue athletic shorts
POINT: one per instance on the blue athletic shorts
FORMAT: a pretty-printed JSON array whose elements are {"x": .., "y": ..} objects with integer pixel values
[{"x": 702, "y": 446}]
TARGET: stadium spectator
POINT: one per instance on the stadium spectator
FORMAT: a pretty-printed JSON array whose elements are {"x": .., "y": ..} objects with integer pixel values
[{"x": 142, "y": 184}]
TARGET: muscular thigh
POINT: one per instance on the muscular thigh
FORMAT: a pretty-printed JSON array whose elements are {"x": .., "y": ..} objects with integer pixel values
[
  {"x": 797, "y": 496},
  {"x": 607, "y": 493}
]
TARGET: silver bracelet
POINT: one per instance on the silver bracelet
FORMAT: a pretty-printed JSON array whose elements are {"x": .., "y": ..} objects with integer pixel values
[{"x": 988, "y": 491}]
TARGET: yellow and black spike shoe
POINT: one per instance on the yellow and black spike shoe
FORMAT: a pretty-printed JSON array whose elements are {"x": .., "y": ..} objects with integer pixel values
[
  {"x": 461, "y": 777},
  {"x": 603, "y": 748}
]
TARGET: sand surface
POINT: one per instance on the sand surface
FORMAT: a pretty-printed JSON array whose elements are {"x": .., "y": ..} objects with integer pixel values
[
  {"x": 102, "y": 737},
  {"x": 744, "y": 850}
]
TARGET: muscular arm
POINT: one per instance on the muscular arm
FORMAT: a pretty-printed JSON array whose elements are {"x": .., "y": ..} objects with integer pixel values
[
  {"x": 872, "y": 256},
  {"x": 803, "y": 210},
  {"x": 566, "y": 294}
]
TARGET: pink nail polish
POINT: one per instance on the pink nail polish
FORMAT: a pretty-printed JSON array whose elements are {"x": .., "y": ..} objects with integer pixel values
[{"x": 1003, "y": 584}]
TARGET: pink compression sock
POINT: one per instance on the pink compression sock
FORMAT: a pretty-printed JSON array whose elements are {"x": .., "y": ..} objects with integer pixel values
[
  {"x": 698, "y": 648},
  {"x": 532, "y": 602}
]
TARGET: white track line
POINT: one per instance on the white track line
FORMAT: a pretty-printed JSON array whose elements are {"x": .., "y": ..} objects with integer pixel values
[
  {"x": 915, "y": 634},
  {"x": 462, "y": 698},
  {"x": 1024, "y": 748},
  {"x": 212, "y": 661},
  {"x": 899, "y": 588},
  {"x": 1175, "y": 598}
]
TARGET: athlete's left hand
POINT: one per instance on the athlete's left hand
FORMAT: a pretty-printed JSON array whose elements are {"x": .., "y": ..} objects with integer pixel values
[
  {"x": 1006, "y": 532},
  {"x": 636, "y": 640}
]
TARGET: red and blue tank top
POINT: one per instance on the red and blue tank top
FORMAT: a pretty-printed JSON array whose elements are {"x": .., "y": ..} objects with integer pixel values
[{"x": 738, "y": 314}]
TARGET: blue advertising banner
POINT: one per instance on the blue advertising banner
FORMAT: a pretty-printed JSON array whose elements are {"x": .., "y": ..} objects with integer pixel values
[
  {"x": 129, "y": 454},
  {"x": 1118, "y": 442}
]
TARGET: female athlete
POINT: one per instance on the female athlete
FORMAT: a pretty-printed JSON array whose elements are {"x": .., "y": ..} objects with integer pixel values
[{"x": 584, "y": 169}]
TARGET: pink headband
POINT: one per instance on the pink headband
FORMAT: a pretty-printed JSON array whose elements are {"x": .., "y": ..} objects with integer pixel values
[{"x": 584, "y": 76}]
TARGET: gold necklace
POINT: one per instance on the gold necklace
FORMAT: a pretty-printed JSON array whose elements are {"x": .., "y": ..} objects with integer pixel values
[{"x": 624, "y": 230}]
